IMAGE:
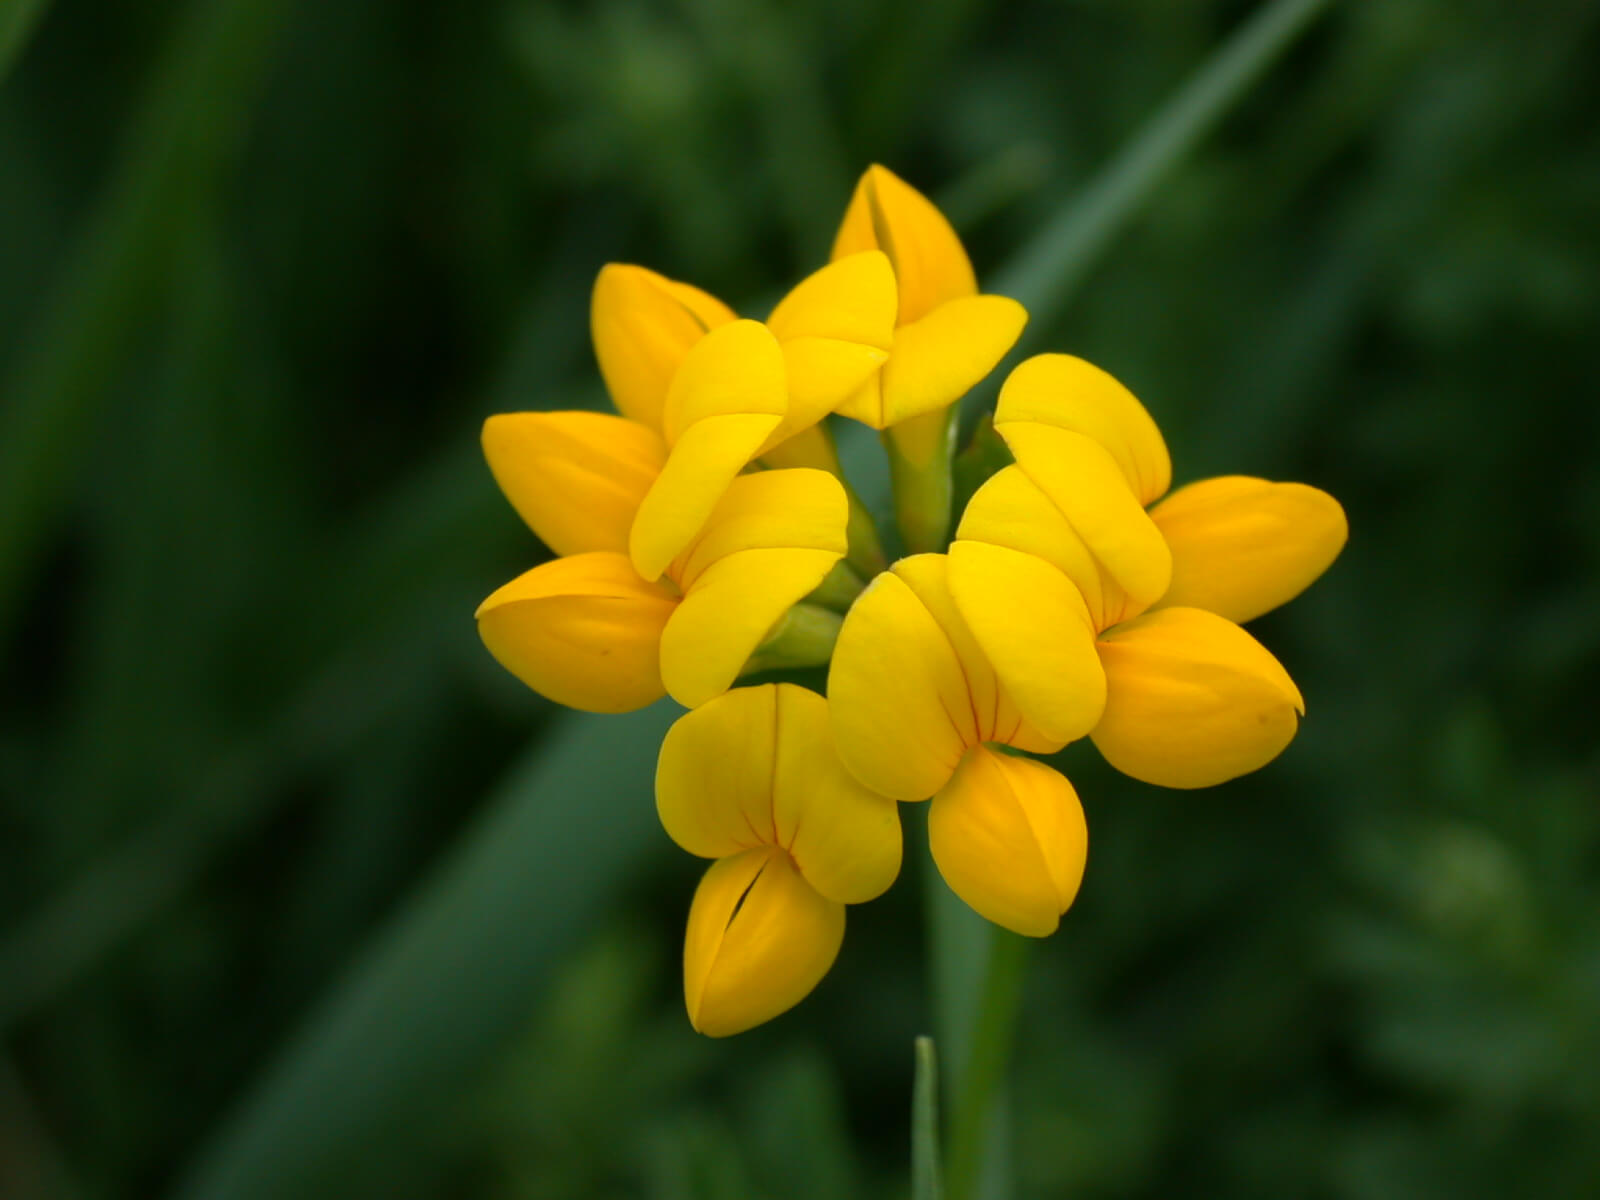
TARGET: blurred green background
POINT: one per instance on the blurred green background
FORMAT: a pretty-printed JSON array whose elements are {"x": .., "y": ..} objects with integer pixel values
[{"x": 303, "y": 896}]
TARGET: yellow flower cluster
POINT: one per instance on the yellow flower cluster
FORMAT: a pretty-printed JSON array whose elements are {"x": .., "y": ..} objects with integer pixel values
[{"x": 707, "y": 533}]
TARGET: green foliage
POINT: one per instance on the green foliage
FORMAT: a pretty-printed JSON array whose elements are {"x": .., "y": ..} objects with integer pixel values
[{"x": 264, "y": 268}]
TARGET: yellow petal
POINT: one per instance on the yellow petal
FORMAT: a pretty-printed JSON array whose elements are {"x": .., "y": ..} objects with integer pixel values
[
  {"x": 1068, "y": 393},
  {"x": 1192, "y": 700},
  {"x": 796, "y": 508},
  {"x": 811, "y": 447},
  {"x": 1243, "y": 546},
  {"x": 823, "y": 374},
  {"x": 994, "y": 716},
  {"x": 715, "y": 774},
  {"x": 865, "y": 404},
  {"x": 728, "y": 612},
  {"x": 1009, "y": 510},
  {"x": 852, "y": 299},
  {"x": 836, "y": 328},
  {"x": 771, "y": 540},
  {"x": 902, "y": 714},
  {"x": 576, "y": 478},
  {"x": 1032, "y": 625},
  {"x": 737, "y": 369},
  {"x": 940, "y": 357},
  {"x": 930, "y": 264},
  {"x": 1082, "y": 480},
  {"x": 643, "y": 324},
  {"x": 726, "y": 399},
  {"x": 759, "y": 939},
  {"x": 910, "y": 687},
  {"x": 1009, "y": 837},
  {"x": 757, "y": 766},
  {"x": 706, "y": 460},
  {"x": 583, "y": 630}
]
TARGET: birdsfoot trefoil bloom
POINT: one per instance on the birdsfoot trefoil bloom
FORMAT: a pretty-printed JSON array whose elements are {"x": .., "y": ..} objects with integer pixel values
[
  {"x": 920, "y": 712},
  {"x": 1191, "y": 699},
  {"x": 751, "y": 780},
  {"x": 707, "y": 534}
]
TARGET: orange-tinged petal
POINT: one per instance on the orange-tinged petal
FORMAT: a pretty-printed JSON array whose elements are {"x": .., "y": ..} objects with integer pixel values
[
  {"x": 643, "y": 324},
  {"x": 930, "y": 264},
  {"x": 1069, "y": 393},
  {"x": 1243, "y": 546},
  {"x": 584, "y": 631},
  {"x": 576, "y": 478},
  {"x": 1033, "y": 626},
  {"x": 1009, "y": 837},
  {"x": 759, "y": 939},
  {"x": 1192, "y": 700},
  {"x": 729, "y": 611},
  {"x": 1082, "y": 480}
]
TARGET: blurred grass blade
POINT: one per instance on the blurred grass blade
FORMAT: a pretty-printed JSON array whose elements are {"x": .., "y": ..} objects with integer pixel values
[
  {"x": 74, "y": 929},
  {"x": 926, "y": 1180},
  {"x": 455, "y": 973},
  {"x": 1044, "y": 274},
  {"x": 961, "y": 958},
  {"x": 983, "y": 1076},
  {"x": 171, "y": 157},
  {"x": 18, "y": 19}
]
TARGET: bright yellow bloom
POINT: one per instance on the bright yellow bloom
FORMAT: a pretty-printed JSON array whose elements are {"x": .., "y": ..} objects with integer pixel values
[
  {"x": 917, "y": 711},
  {"x": 1190, "y": 698},
  {"x": 947, "y": 337},
  {"x": 591, "y": 632},
  {"x": 752, "y": 780},
  {"x": 721, "y": 392}
]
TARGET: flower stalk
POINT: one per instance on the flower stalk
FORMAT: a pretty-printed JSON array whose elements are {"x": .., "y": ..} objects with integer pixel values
[
  {"x": 921, "y": 451},
  {"x": 803, "y": 637},
  {"x": 981, "y": 1088}
]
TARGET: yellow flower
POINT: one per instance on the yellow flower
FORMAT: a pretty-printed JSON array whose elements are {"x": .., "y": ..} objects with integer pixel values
[
  {"x": 588, "y": 630},
  {"x": 721, "y": 391},
  {"x": 835, "y": 328},
  {"x": 918, "y": 710},
  {"x": 752, "y": 780},
  {"x": 946, "y": 337},
  {"x": 1191, "y": 699}
]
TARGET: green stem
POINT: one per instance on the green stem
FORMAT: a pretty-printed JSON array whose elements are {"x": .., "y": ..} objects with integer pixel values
[
  {"x": 866, "y": 548},
  {"x": 920, "y": 454},
  {"x": 984, "y": 456},
  {"x": 803, "y": 637},
  {"x": 989, "y": 1051},
  {"x": 927, "y": 1182},
  {"x": 838, "y": 589},
  {"x": 973, "y": 995},
  {"x": 816, "y": 448}
]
